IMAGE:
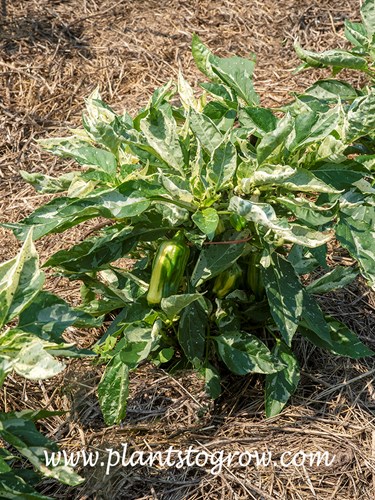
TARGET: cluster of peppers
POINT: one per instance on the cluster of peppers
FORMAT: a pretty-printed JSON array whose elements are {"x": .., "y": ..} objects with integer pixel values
[{"x": 169, "y": 267}]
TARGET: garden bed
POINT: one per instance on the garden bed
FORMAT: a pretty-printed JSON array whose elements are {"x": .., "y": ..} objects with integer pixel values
[{"x": 53, "y": 55}]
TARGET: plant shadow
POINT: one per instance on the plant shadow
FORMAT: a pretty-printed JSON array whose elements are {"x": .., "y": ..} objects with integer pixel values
[{"x": 36, "y": 31}]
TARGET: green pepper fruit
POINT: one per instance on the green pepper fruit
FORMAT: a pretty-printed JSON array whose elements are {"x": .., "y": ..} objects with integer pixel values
[
  {"x": 227, "y": 281},
  {"x": 238, "y": 222},
  {"x": 168, "y": 269},
  {"x": 254, "y": 275},
  {"x": 220, "y": 228}
]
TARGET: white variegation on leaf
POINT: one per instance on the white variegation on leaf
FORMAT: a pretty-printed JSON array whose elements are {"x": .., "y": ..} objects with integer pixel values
[
  {"x": 286, "y": 177},
  {"x": 35, "y": 363},
  {"x": 264, "y": 215},
  {"x": 20, "y": 281}
]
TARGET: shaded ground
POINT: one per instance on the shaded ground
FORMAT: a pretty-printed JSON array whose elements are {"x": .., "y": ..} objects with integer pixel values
[{"x": 53, "y": 53}]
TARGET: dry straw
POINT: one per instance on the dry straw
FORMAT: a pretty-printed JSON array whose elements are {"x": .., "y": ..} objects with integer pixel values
[{"x": 52, "y": 55}]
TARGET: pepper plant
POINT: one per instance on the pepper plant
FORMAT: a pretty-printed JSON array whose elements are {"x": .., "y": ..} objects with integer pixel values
[
  {"x": 212, "y": 209},
  {"x": 31, "y": 323}
]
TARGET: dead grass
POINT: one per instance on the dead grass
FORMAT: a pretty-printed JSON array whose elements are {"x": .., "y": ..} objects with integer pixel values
[{"x": 53, "y": 54}]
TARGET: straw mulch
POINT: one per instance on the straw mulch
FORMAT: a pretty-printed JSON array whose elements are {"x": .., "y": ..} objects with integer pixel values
[{"x": 53, "y": 53}]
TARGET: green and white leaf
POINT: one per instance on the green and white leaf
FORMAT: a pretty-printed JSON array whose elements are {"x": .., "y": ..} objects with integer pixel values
[
  {"x": 214, "y": 260},
  {"x": 207, "y": 221},
  {"x": 212, "y": 381},
  {"x": 6, "y": 367},
  {"x": 202, "y": 57},
  {"x": 273, "y": 141},
  {"x": 35, "y": 363},
  {"x": 130, "y": 199},
  {"x": 48, "y": 184},
  {"x": 222, "y": 167},
  {"x": 332, "y": 91},
  {"x": 137, "y": 343},
  {"x": 260, "y": 120},
  {"x": 287, "y": 177},
  {"x": 192, "y": 331},
  {"x": 368, "y": 17},
  {"x": 309, "y": 212},
  {"x": 186, "y": 94},
  {"x": 48, "y": 316},
  {"x": 245, "y": 353},
  {"x": 205, "y": 131},
  {"x": 19, "y": 431},
  {"x": 356, "y": 34},
  {"x": 361, "y": 118},
  {"x": 178, "y": 192},
  {"x": 281, "y": 385},
  {"x": 113, "y": 390},
  {"x": 337, "y": 58},
  {"x": 237, "y": 72},
  {"x": 312, "y": 127},
  {"x": 356, "y": 232},
  {"x": 20, "y": 281},
  {"x": 264, "y": 215},
  {"x": 339, "y": 277},
  {"x": 97, "y": 252},
  {"x": 285, "y": 295},
  {"x": 342, "y": 341},
  {"x": 174, "y": 304},
  {"x": 341, "y": 176},
  {"x": 314, "y": 319},
  {"x": 159, "y": 129}
]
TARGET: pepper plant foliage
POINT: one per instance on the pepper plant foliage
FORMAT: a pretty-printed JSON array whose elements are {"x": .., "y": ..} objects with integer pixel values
[
  {"x": 30, "y": 348},
  {"x": 254, "y": 193}
]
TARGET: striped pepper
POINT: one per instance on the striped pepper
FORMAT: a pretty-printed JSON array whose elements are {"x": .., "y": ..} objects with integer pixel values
[
  {"x": 168, "y": 269},
  {"x": 227, "y": 281},
  {"x": 254, "y": 276}
]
